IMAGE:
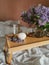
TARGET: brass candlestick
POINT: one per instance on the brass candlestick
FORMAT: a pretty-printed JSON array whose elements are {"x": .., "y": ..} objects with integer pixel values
[{"x": 19, "y": 29}]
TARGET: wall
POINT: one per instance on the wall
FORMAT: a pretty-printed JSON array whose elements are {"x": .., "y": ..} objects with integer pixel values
[{"x": 11, "y": 9}]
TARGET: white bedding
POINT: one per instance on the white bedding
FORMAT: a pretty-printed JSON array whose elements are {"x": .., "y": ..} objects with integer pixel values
[{"x": 34, "y": 56}]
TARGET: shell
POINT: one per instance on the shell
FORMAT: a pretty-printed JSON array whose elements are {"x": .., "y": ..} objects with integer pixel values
[{"x": 22, "y": 36}]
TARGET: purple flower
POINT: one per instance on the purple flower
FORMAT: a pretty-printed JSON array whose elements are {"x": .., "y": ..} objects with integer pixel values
[
  {"x": 38, "y": 9},
  {"x": 41, "y": 23},
  {"x": 48, "y": 13},
  {"x": 41, "y": 11},
  {"x": 44, "y": 18},
  {"x": 29, "y": 14},
  {"x": 44, "y": 9}
]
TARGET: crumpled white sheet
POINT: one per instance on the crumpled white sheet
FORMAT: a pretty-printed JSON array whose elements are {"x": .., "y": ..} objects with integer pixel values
[
  {"x": 2, "y": 58},
  {"x": 34, "y": 56}
]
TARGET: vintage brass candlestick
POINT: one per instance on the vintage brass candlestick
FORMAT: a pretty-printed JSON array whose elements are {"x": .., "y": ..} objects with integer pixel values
[{"x": 19, "y": 29}]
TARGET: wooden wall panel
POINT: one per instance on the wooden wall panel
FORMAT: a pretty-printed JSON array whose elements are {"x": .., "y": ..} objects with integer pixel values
[{"x": 11, "y": 9}]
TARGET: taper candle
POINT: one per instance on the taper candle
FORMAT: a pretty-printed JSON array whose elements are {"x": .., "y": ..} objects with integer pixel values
[{"x": 14, "y": 28}]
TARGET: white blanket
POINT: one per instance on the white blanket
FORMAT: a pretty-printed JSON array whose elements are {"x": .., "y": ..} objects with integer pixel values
[{"x": 34, "y": 56}]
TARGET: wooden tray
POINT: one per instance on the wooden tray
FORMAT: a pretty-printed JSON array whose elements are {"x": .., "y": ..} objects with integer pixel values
[{"x": 28, "y": 40}]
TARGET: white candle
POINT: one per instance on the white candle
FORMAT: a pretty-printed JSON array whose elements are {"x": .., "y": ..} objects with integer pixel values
[{"x": 14, "y": 29}]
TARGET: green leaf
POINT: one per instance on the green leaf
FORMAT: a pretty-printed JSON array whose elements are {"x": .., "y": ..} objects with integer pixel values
[{"x": 47, "y": 25}]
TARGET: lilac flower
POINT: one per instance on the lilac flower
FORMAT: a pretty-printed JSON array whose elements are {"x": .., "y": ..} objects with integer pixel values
[
  {"x": 44, "y": 18},
  {"x": 38, "y": 9},
  {"x": 29, "y": 14},
  {"x": 48, "y": 13},
  {"x": 41, "y": 23},
  {"x": 41, "y": 11},
  {"x": 44, "y": 9}
]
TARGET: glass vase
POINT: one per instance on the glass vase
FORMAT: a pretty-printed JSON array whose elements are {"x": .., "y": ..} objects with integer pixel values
[{"x": 39, "y": 33}]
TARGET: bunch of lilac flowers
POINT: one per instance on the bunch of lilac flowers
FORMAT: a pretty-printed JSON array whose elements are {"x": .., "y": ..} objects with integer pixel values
[
  {"x": 30, "y": 16},
  {"x": 43, "y": 12},
  {"x": 38, "y": 15}
]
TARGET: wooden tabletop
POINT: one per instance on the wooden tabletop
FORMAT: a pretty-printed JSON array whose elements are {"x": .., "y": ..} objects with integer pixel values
[{"x": 27, "y": 41}]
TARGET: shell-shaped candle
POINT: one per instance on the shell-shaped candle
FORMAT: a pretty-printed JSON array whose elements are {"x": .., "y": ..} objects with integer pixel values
[{"x": 22, "y": 36}]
